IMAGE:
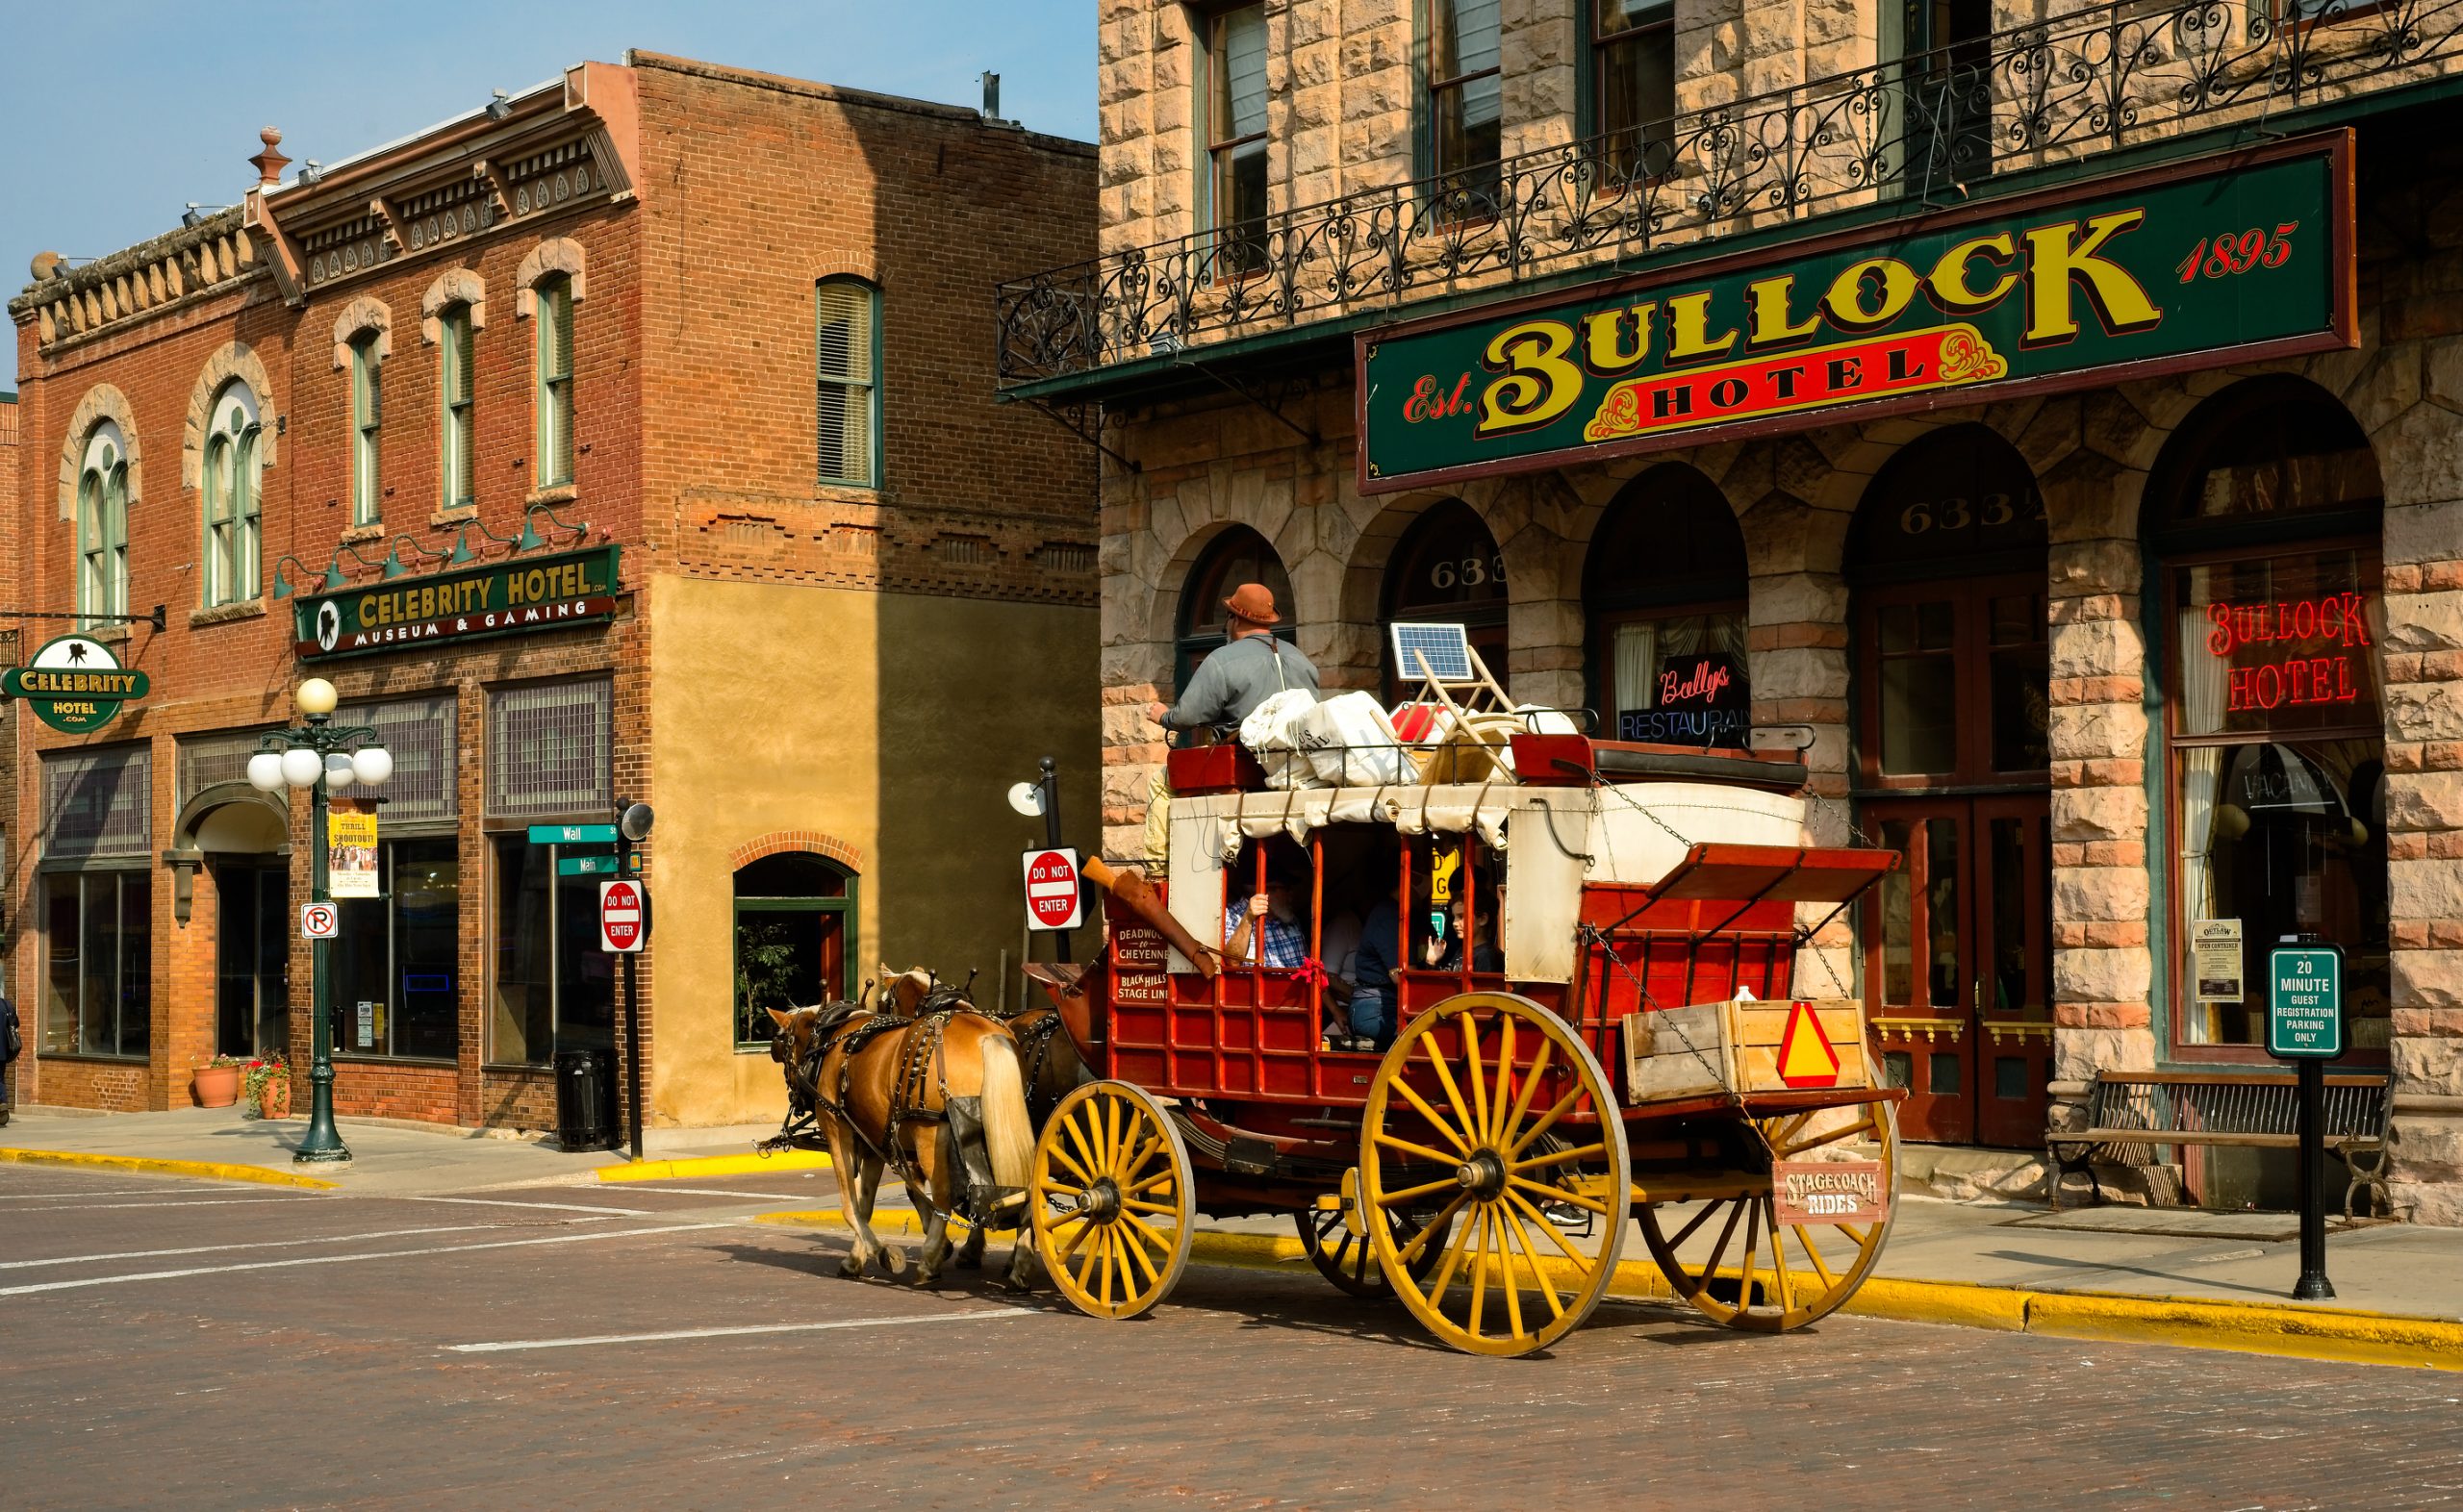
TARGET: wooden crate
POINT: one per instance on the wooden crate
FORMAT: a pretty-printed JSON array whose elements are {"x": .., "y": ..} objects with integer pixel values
[{"x": 1711, "y": 1049}]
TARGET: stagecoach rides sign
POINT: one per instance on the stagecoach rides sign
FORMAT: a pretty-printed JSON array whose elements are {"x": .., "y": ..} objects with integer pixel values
[
  {"x": 2222, "y": 259},
  {"x": 74, "y": 684},
  {"x": 502, "y": 598}
]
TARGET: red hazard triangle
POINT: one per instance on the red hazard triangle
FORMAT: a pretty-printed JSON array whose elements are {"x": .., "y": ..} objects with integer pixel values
[{"x": 1805, "y": 1057}]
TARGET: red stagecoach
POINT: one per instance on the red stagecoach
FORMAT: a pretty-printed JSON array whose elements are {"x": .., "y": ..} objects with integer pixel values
[{"x": 1615, "y": 1042}]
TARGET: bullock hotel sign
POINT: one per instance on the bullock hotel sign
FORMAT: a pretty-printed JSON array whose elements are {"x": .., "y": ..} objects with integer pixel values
[
  {"x": 2221, "y": 260},
  {"x": 506, "y": 599}
]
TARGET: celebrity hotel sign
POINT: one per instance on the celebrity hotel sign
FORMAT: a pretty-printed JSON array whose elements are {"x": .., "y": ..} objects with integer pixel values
[
  {"x": 2220, "y": 261},
  {"x": 508, "y": 597}
]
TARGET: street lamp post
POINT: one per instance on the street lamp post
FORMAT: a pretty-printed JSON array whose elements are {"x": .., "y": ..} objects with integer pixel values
[{"x": 320, "y": 756}]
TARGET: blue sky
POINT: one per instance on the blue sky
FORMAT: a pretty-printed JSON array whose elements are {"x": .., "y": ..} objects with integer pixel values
[{"x": 121, "y": 115}]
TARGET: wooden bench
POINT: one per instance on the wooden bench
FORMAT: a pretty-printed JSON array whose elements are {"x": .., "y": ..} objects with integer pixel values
[{"x": 2130, "y": 1111}]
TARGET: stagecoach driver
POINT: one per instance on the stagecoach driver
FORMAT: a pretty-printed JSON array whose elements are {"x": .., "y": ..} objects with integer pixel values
[{"x": 1252, "y": 665}]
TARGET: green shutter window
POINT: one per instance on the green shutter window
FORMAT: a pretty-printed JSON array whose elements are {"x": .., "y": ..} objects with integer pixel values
[
  {"x": 217, "y": 520},
  {"x": 232, "y": 490},
  {"x": 116, "y": 541},
  {"x": 367, "y": 415},
  {"x": 460, "y": 375},
  {"x": 89, "y": 544},
  {"x": 248, "y": 518},
  {"x": 555, "y": 304},
  {"x": 846, "y": 380}
]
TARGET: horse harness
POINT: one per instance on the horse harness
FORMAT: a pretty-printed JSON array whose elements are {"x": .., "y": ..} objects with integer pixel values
[{"x": 851, "y": 1027}]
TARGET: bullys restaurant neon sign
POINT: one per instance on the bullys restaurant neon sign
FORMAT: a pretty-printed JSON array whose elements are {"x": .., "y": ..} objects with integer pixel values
[
  {"x": 505, "y": 598},
  {"x": 2225, "y": 259}
]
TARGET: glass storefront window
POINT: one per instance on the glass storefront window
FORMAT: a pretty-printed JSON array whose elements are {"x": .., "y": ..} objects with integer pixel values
[
  {"x": 1664, "y": 588},
  {"x": 2279, "y": 771},
  {"x": 395, "y": 965},
  {"x": 1680, "y": 681},
  {"x": 554, "y": 988},
  {"x": 98, "y": 997}
]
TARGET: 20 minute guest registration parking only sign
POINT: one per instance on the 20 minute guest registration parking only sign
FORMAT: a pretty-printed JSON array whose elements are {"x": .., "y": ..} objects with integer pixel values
[{"x": 2224, "y": 259}]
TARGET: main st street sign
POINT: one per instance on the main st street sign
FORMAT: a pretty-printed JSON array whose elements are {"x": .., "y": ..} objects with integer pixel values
[
  {"x": 502, "y": 598},
  {"x": 2225, "y": 259}
]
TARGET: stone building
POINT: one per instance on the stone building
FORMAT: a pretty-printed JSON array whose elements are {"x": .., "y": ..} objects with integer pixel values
[
  {"x": 626, "y": 438},
  {"x": 1624, "y": 333}
]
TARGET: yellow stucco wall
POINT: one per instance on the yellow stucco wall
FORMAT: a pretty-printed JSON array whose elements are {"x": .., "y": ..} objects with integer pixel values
[{"x": 894, "y": 723}]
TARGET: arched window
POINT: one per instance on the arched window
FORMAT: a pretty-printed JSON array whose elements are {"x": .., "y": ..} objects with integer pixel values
[
  {"x": 1665, "y": 588},
  {"x": 1447, "y": 568},
  {"x": 367, "y": 418},
  {"x": 102, "y": 524},
  {"x": 554, "y": 295},
  {"x": 795, "y": 920},
  {"x": 232, "y": 492},
  {"x": 1237, "y": 556},
  {"x": 846, "y": 367},
  {"x": 2265, "y": 509},
  {"x": 457, "y": 381}
]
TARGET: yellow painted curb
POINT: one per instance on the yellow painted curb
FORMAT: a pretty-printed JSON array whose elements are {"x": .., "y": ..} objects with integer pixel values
[
  {"x": 715, "y": 1165},
  {"x": 136, "y": 1166},
  {"x": 2313, "y": 1333}
]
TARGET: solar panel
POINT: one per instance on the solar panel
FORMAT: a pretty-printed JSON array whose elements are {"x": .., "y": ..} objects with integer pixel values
[{"x": 1446, "y": 648}]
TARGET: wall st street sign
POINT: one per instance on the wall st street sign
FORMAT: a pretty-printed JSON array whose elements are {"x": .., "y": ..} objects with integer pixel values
[
  {"x": 2221, "y": 260},
  {"x": 74, "y": 684},
  {"x": 501, "y": 598}
]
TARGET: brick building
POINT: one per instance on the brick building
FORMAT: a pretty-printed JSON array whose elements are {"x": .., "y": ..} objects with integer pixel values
[
  {"x": 1543, "y": 318},
  {"x": 628, "y": 439}
]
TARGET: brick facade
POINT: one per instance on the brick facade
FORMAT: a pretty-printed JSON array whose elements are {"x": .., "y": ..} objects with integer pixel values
[{"x": 691, "y": 263}]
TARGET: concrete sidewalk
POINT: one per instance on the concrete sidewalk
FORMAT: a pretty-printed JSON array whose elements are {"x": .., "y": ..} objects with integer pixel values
[{"x": 388, "y": 1156}]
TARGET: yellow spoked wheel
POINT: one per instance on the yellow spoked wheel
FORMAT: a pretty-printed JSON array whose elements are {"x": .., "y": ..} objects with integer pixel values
[
  {"x": 1489, "y": 1107},
  {"x": 1112, "y": 1200},
  {"x": 1349, "y": 1261},
  {"x": 1779, "y": 1277}
]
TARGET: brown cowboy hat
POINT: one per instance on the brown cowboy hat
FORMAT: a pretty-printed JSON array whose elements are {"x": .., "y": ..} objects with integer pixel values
[{"x": 1253, "y": 602}]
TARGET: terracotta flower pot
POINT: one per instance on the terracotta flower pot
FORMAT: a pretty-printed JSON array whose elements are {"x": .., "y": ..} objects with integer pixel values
[
  {"x": 217, "y": 1086},
  {"x": 273, "y": 1098}
]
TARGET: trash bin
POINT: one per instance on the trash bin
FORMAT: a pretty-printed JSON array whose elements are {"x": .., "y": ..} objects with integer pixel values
[{"x": 586, "y": 1100}]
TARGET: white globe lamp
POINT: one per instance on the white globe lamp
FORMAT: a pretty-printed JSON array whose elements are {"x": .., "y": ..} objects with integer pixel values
[
  {"x": 317, "y": 697},
  {"x": 338, "y": 773},
  {"x": 302, "y": 767},
  {"x": 373, "y": 765},
  {"x": 265, "y": 772}
]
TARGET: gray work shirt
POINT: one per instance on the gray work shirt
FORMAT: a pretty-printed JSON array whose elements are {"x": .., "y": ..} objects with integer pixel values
[{"x": 1232, "y": 682}]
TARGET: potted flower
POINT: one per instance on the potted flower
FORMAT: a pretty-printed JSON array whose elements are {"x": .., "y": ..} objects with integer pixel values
[
  {"x": 269, "y": 1082},
  {"x": 218, "y": 1082}
]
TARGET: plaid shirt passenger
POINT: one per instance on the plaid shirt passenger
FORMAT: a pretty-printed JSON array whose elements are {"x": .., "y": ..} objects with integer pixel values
[{"x": 1282, "y": 946}]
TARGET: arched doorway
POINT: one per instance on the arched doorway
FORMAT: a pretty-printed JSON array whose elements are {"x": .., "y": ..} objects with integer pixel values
[
  {"x": 1446, "y": 568},
  {"x": 241, "y": 839},
  {"x": 1947, "y": 560},
  {"x": 1240, "y": 555},
  {"x": 2266, "y": 511},
  {"x": 795, "y": 922},
  {"x": 1664, "y": 593}
]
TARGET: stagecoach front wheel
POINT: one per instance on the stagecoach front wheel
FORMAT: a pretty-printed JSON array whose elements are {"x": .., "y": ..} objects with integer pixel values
[
  {"x": 1489, "y": 1107},
  {"x": 1729, "y": 1255},
  {"x": 1112, "y": 1200}
]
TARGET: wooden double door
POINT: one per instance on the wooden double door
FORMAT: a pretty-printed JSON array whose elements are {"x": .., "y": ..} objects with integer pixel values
[{"x": 1958, "y": 966}]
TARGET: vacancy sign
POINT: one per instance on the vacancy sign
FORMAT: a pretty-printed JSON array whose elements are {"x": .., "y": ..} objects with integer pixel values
[
  {"x": 1052, "y": 900},
  {"x": 623, "y": 917}
]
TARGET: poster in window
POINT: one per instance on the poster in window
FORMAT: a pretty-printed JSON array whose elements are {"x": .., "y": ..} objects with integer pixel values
[
  {"x": 1698, "y": 699},
  {"x": 2215, "y": 959},
  {"x": 350, "y": 855}
]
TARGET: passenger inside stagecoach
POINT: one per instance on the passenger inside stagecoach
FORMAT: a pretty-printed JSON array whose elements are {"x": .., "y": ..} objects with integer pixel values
[
  {"x": 1270, "y": 927},
  {"x": 1443, "y": 952}
]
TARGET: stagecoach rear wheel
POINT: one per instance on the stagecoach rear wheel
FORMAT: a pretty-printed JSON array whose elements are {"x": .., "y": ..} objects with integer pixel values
[
  {"x": 1754, "y": 1285},
  {"x": 1112, "y": 1200},
  {"x": 1462, "y": 1114}
]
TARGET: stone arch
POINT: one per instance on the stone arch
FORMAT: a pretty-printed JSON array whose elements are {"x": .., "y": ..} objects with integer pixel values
[
  {"x": 812, "y": 841},
  {"x": 555, "y": 255},
  {"x": 863, "y": 268},
  {"x": 453, "y": 286},
  {"x": 235, "y": 359},
  {"x": 363, "y": 315},
  {"x": 101, "y": 402}
]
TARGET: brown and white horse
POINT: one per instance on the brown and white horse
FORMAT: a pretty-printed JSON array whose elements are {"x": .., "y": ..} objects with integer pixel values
[{"x": 940, "y": 1096}]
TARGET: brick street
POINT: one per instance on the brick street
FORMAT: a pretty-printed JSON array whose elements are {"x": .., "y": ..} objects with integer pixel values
[{"x": 291, "y": 1348}]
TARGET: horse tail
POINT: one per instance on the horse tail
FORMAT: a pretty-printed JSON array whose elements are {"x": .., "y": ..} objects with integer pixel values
[{"x": 1008, "y": 1132}]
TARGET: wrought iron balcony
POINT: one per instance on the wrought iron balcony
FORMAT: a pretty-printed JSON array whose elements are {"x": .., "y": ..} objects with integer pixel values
[{"x": 1922, "y": 131}]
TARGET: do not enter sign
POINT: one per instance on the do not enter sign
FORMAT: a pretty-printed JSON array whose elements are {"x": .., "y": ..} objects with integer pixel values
[
  {"x": 623, "y": 916},
  {"x": 1052, "y": 900}
]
